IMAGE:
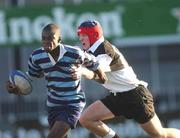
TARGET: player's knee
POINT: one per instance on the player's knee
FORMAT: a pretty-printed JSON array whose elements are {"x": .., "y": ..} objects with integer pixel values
[
  {"x": 51, "y": 136},
  {"x": 84, "y": 121},
  {"x": 159, "y": 134},
  {"x": 55, "y": 135}
]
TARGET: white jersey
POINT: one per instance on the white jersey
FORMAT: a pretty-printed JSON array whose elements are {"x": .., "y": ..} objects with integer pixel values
[{"x": 121, "y": 77}]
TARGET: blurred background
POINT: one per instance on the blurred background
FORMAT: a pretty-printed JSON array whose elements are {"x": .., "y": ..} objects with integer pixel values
[{"x": 147, "y": 32}]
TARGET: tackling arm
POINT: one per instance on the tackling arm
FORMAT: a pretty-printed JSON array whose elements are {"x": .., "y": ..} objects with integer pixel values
[{"x": 97, "y": 75}]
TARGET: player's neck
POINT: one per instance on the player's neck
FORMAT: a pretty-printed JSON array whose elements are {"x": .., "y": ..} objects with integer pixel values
[{"x": 55, "y": 53}]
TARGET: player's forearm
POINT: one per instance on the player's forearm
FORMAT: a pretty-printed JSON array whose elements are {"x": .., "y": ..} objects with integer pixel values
[
  {"x": 88, "y": 74},
  {"x": 102, "y": 78},
  {"x": 97, "y": 75}
]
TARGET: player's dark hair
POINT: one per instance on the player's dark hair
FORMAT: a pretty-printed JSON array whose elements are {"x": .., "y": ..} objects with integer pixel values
[{"x": 51, "y": 28}]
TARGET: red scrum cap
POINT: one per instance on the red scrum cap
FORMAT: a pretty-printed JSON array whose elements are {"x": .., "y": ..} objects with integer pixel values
[{"x": 91, "y": 28}]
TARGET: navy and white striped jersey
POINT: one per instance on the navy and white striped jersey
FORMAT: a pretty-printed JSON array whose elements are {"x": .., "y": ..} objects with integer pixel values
[{"x": 62, "y": 88}]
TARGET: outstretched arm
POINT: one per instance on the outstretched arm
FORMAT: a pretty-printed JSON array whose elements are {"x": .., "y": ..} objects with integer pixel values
[
  {"x": 97, "y": 75},
  {"x": 93, "y": 65},
  {"x": 88, "y": 74}
]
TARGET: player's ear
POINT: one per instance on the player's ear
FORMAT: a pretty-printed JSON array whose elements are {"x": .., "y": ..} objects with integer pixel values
[{"x": 59, "y": 40}]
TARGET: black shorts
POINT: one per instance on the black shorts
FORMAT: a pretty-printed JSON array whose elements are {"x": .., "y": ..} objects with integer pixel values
[{"x": 135, "y": 104}]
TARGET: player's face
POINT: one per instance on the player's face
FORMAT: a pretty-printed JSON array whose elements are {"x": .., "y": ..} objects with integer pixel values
[
  {"x": 50, "y": 40},
  {"x": 85, "y": 41}
]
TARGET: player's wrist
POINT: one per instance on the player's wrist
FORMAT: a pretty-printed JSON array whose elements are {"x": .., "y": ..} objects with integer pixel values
[{"x": 94, "y": 76}]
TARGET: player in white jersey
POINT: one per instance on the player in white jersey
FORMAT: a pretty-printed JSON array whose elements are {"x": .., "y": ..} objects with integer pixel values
[
  {"x": 56, "y": 62},
  {"x": 128, "y": 97}
]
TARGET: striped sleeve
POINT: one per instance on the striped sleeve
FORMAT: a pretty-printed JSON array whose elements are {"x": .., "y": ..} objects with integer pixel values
[
  {"x": 34, "y": 70},
  {"x": 90, "y": 62}
]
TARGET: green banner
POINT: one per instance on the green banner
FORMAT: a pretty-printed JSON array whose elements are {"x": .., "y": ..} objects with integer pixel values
[{"x": 119, "y": 20}]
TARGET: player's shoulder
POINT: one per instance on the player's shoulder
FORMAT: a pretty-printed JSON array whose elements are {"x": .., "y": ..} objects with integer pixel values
[
  {"x": 73, "y": 49},
  {"x": 37, "y": 51}
]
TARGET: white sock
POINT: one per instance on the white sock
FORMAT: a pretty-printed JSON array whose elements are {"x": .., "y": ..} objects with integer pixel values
[{"x": 110, "y": 134}]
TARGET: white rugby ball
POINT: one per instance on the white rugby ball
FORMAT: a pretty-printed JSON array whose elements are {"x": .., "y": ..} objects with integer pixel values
[{"x": 21, "y": 80}]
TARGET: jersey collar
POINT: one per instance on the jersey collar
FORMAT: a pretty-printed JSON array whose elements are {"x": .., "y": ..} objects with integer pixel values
[
  {"x": 96, "y": 44},
  {"x": 62, "y": 51}
]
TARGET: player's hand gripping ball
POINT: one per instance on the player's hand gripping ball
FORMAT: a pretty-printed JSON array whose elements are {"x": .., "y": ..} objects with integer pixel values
[{"x": 22, "y": 81}]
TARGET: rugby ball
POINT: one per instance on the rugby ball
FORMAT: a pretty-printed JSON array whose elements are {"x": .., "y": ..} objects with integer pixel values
[{"x": 21, "y": 80}]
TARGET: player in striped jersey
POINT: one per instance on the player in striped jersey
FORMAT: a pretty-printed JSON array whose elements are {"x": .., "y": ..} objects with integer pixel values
[
  {"x": 129, "y": 97},
  {"x": 57, "y": 62}
]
